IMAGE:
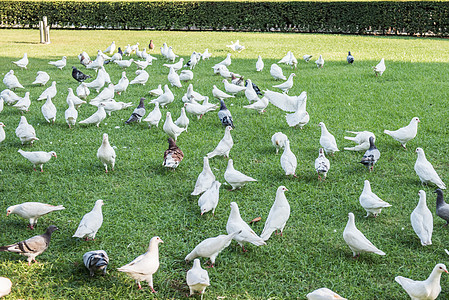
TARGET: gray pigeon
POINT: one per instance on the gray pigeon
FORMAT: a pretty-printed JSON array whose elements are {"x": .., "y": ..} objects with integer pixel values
[
  {"x": 78, "y": 75},
  {"x": 138, "y": 112},
  {"x": 96, "y": 260},
  {"x": 350, "y": 58},
  {"x": 371, "y": 155},
  {"x": 442, "y": 207},
  {"x": 33, "y": 246},
  {"x": 225, "y": 115}
]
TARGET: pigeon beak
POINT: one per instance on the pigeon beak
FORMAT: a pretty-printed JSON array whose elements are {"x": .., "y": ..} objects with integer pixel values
[
  {"x": 202, "y": 213},
  {"x": 7, "y": 213},
  {"x": 286, "y": 189}
]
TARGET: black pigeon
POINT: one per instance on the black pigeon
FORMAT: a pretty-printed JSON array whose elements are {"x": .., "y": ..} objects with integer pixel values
[
  {"x": 442, "y": 207},
  {"x": 120, "y": 51},
  {"x": 138, "y": 112},
  {"x": 255, "y": 87},
  {"x": 225, "y": 115},
  {"x": 371, "y": 155},
  {"x": 33, "y": 246},
  {"x": 96, "y": 260},
  {"x": 350, "y": 58},
  {"x": 78, "y": 75}
]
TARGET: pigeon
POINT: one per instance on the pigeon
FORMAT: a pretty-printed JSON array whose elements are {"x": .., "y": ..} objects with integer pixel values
[
  {"x": 362, "y": 140},
  {"x": 322, "y": 164},
  {"x": 5, "y": 286},
  {"x": 232, "y": 88},
  {"x": 33, "y": 246},
  {"x": 277, "y": 73},
  {"x": 151, "y": 45},
  {"x": 259, "y": 105},
  {"x": 124, "y": 63},
  {"x": 97, "y": 84},
  {"x": 9, "y": 97},
  {"x": 286, "y": 86},
  {"x": 78, "y": 75},
  {"x": 320, "y": 61},
  {"x": 422, "y": 220},
  {"x": 173, "y": 155},
  {"x": 327, "y": 140},
  {"x": 144, "y": 266},
  {"x": 171, "y": 56},
  {"x": 164, "y": 50},
  {"x": 428, "y": 289},
  {"x": 442, "y": 210},
  {"x": 379, "y": 69},
  {"x": 2, "y": 132},
  {"x": 205, "y": 179},
  {"x": 278, "y": 216},
  {"x": 166, "y": 98},
  {"x": 288, "y": 160},
  {"x": 324, "y": 294},
  {"x": 173, "y": 78},
  {"x": 356, "y": 241},
  {"x": 82, "y": 91},
  {"x": 250, "y": 93},
  {"x": 371, "y": 202},
  {"x": 405, "y": 134},
  {"x": 111, "y": 105},
  {"x": 38, "y": 158},
  {"x": 74, "y": 99},
  {"x": 284, "y": 101},
  {"x": 192, "y": 95},
  {"x": 110, "y": 49},
  {"x": 299, "y": 118},
  {"x": 236, "y": 46},
  {"x": 96, "y": 260},
  {"x": 186, "y": 75},
  {"x": 135, "y": 48},
  {"x": 25, "y": 132},
  {"x": 285, "y": 59},
  {"x": 106, "y": 154},
  {"x": 371, "y": 155},
  {"x": 197, "y": 278},
  {"x": 96, "y": 117},
  {"x": 224, "y": 146},
  {"x": 292, "y": 61},
  {"x": 227, "y": 61},
  {"x": 307, "y": 57},
  {"x": 23, "y": 62},
  {"x": 49, "y": 110},
  {"x": 91, "y": 222},
  {"x": 71, "y": 114},
  {"x": 32, "y": 211},
  {"x": 142, "y": 64},
  {"x": 138, "y": 112},
  {"x": 235, "y": 178},
  {"x": 84, "y": 59},
  {"x": 219, "y": 94},
  {"x": 206, "y": 55},
  {"x": 42, "y": 78},
  {"x": 183, "y": 121},
  {"x": 177, "y": 66},
  {"x": 225, "y": 115},
  {"x": 170, "y": 128},
  {"x": 259, "y": 64},
  {"x": 50, "y": 91},
  {"x": 209, "y": 199},
  {"x": 246, "y": 235},
  {"x": 278, "y": 140},
  {"x": 425, "y": 170},
  {"x": 24, "y": 103},
  {"x": 208, "y": 106},
  {"x": 224, "y": 72},
  {"x": 11, "y": 81},
  {"x": 97, "y": 63},
  {"x": 157, "y": 92},
  {"x": 60, "y": 64},
  {"x": 154, "y": 116},
  {"x": 350, "y": 58},
  {"x": 141, "y": 78},
  {"x": 122, "y": 84},
  {"x": 116, "y": 56},
  {"x": 107, "y": 78},
  {"x": 127, "y": 50}
]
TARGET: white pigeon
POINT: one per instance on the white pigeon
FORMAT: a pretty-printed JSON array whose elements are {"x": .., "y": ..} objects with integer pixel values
[
  {"x": 122, "y": 84},
  {"x": 157, "y": 91},
  {"x": 59, "y": 63},
  {"x": 246, "y": 235},
  {"x": 259, "y": 105},
  {"x": 97, "y": 84},
  {"x": 278, "y": 215},
  {"x": 428, "y": 289},
  {"x": 96, "y": 117},
  {"x": 183, "y": 121},
  {"x": 287, "y": 85},
  {"x": 25, "y": 132},
  {"x": 141, "y": 78},
  {"x": 135, "y": 47},
  {"x": 71, "y": 114},
  {"x": 144, "y": 266},
  {"x": 105, "y": 56},
  {"x": 193, "y": 61},
  {"x": 307, "y": 57},
  {"x": 197, "y": 278},
  {"x": 371, "y": 202},
  {"x": 97, "y": 63},
  {"x": 236, "y": 46},
  {"x": 170, "y": 128},
  {"x": 327, "y": 140},
  {"x": 23, "y": 62},
  {"x": 379, "y": 69},
  {"x": 422, "y": 220},
  {"x": 91, "y": 222},
  {"x": 208, "y": 201},
  {"x": 50, "y": 91},
  {"x": 219, "y": 94},
  {"x": 193, "y": 95},
  {"x": 164, "y": 50},
  {"x": 320, "y": 61},
  {"x": 106, "y": 94},
  {"x": 111, "y": 105},
  {"x": 278, "y": 140},
  {"x": 288, "y": 160},
  {"x": 106, "y": 154},
  {"x": 127, "y": 51},
  {"x": 5, "y": 286},
  {"x": 425, "y": 170},
  {"x": 32, "y": 211},
  {"x": 362, "y": 140},
  {"x": 154, "y": 116},
  {"x": 42, "y": 78},
  {"x": 11, "y": 81},
  {"x": 232, "y": 88},
  {"x": 38, "y": 158},
  {"x": 84, "y": 58},
  {"x": 405, "y": 134},
  {"x": 176, "y": 66},
  {"x": 224, "y": 146},
  {"x": 250, "y": 93},
  {"x": 173, "y": 78},
  {"x": 124, "y": 63},
  {"x": 2, "y": 103},
  {"x": 276, "y": 72},
  {"x": 75, "y": 100},
  {"x": 322, "y": 164},
  {"x": 224, "y": 72},
  {"x": 196, "y": 109},
  {"x": 186, "y": 75},
  {"x": 285, "y": 59},
  {"x": 209, "y": 106},
  {"x": 284, "y": 101},
  {"x": 211, "y": 247},
  {"x": 324, "y": 294},
  {"x": 9, "y": 96},
  {"x": 110, "y": 49},
  {"x": 299, "y": 118},
  {"x": 116, "y": 56},
  {"x": 24, "y": 103},
  {"x": 205, "y": 178},
  {"x": 227, "y": 61},
  {"x": 236, "y": 178},
  {"x": 206, "y": 54},
  {"x": 82, "y": 91},
  {"x": 166, "y": 98},
  {"x": 356, "y": 241},
  {"x": 49, "y": 110},
  {"x": 259, "y": 64},
  {"x": 171, "y": 56},
  {"x": 2, "y": 132}
]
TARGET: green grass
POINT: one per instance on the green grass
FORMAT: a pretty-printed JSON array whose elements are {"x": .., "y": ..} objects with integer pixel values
[{"x": 143, "y": 199}]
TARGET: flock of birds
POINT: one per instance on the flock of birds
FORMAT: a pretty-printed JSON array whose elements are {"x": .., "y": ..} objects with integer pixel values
[{"x": 207, "y": 187}]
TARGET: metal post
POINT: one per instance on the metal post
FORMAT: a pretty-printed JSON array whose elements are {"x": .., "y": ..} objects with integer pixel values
[
  {"x": 41, "y": 32},
  {"x": 46, "y": 30}
]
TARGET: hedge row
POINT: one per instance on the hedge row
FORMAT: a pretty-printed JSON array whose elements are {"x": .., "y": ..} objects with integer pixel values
[{"x": 413, "y": 18}]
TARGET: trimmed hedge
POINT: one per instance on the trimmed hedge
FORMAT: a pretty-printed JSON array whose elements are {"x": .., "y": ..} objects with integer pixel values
[{"x": 412, "y": 18}]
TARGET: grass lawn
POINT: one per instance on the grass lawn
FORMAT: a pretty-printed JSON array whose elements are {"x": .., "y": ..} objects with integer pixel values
[{"x": 143, "y": 199}]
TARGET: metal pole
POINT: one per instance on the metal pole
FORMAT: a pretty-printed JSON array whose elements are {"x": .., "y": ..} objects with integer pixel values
[{"x": 41, "y": 32}]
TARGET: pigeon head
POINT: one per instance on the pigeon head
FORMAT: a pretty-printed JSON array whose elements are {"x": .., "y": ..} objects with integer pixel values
[
  {"x": 74, "y": 68},
  {"x": 282, "y": 188},
  {"x": 416, "y": 119},
  {"x": 420, "y": 152},
  {"x": 438, "y": 192},
  {"x": 105, "y": 137},
  {"x": 441, "y": 268},
  {"x": 421, "y": 193},
  {"x": 141, "y": 104},
  {"x": 2, "y": 125},
  {"x": 349, "y": 53},
  {"x": 168, "y": 114},
  {"x": 155, "y": 240},
  {"x": 234, "y": 206},
  {"x": 222, "y": 105},
  {"x": 230, "y": 164},
  {"x": 99, "y": 203},
  {"x": 51, "y": 229},
  {"x": 53, "y": 154},
  {"x": 171, "y": 143},
  {"x": 351, "y": 216},
  {"x": 321, "y": 151},
  {"x": 228, "y": 128},
  {"x": 10, "y": 210},
  {"x": 196, "y": 263}
]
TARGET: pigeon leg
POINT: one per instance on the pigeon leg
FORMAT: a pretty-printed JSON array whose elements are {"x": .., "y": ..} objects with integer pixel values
[
  {"x": 403, "y": 146},
  {"x": 30, "y": 226},
  {"x": 152, "y": 290},
  {"x": 139, "y": 286},
  {"x": 34, "y": 169},
  {"x": 319, "y": 177},
  {"x": 371, "y": 168},
  {"x": 70, "y": 127},
  {"x": 42, "y": 168},
  {"x": 243, "y": 248},
  {"x": 294, "y": 175},
  {"x": 355, "y": 256}
]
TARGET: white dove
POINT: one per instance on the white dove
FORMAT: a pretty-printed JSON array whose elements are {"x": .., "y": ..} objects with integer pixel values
[
  {"x": 25, "y": 132},
  {"x": 197, "y": 278},
  {"x": 307, "y": 57},
  {"x": 425, "y": 170},
  {"x": 170, "y": 128},
  {"x": 171, "y": 56},
  {"x": 405, "y": 134},
  {"x": 320, "y": 61},
  {"x": 2, "y": 132},
  {"x": 246, "y": 235},
  {"x": 107, "y": 78},
  {"x": 224, "y": 146},
  {"x": 116, "y": 56},
  {"x": 106, "y": 154},
  {"x": 141, "y": 78},
  {"x": 428, "y": 289},
  {"x": 23, "y": 62},
  {"x": 84, "y": 58},
  {"x": 288, "y": 160},
  {"x": 236, "y": 178},
  {"x": 327, "y": 140},
  {"x": 32, "y": 211},
  {"x": 196, "y": 109},
  {"x": 286, "y": 102},
  {"x": 276, "y": 72},
  {"x": 124, "y": 63},
  {"x": 38, "y": 158},
  {"x": 183, "y": 121},
  {"x": 59, "y": 63},
  {"x": 322, "y": 164},
  {"x": 42, "y": 78},
  {"x": 49, "y": 110},
  {"x": 82, "y": 91},
  {"x": 110, "y": 49},
  {"x": 278, "y": 140},
  {"x": 193, "y": 95},
  {"x": 154, "y": 116},
  {"x": 285, "y": 59},
  {"x": 122, "y": 84},
  {"x": 71, "y": 114},
  {"x": 232, "y": 88},
  {"x": 75, "y": 100},
  {"x": 236, "y": 46},
  {"x": 227, "y": 61},
  {"x": 11, "y": 81},
  {"x": 193, "y": 61},
  {"x": 97, "y": 84},
  {"x": 205, "y": 178},
  {"x": 208, "y": 201},
  {"x": 278, "y": 215},
  {"x": 177, "y": 66},
  {"x": 422, "y": 220},
  {"x": 186, "y": 75},
  {"x": 96, "y": 117},
  {"x": 371, "y": 202},
  {"x": 105, "y": 56},
  {"x": 250, "y": 93},
  {"x": 219, "y": 94},
  {"x": 157, "y": 91},
  {"x": 224, "y": 72},
  {"x": 144, "y": 266},
  {"x": 259, "y": 64},
  {"x": 127, "y": 50},
  {"x": 173, "y": 78},
  {"x": 259, "y": 105},
  {"x": 24, "y": 103},
  {"x": 5, "y": 286},
  {"x": 356, "y": 241},
  {"x": 91, "y": 222},
  {"x": 206, "y": 54},
  {"x": 97, "y": 63},
  {"x": 361, "y": 138},
  {"x": 287, "y": 85},
  {"x": 50, "y": 91},
  {"x": 300, "y": 117},
  {"x": 379, "y": 69},
  {"x": 324, "y": 294},
  {"x": 9, "y": 96},
  {"x": 166, "y": 98},
  {"x": 111, "y": 105},
  {"x": 106, "y": 94}
]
